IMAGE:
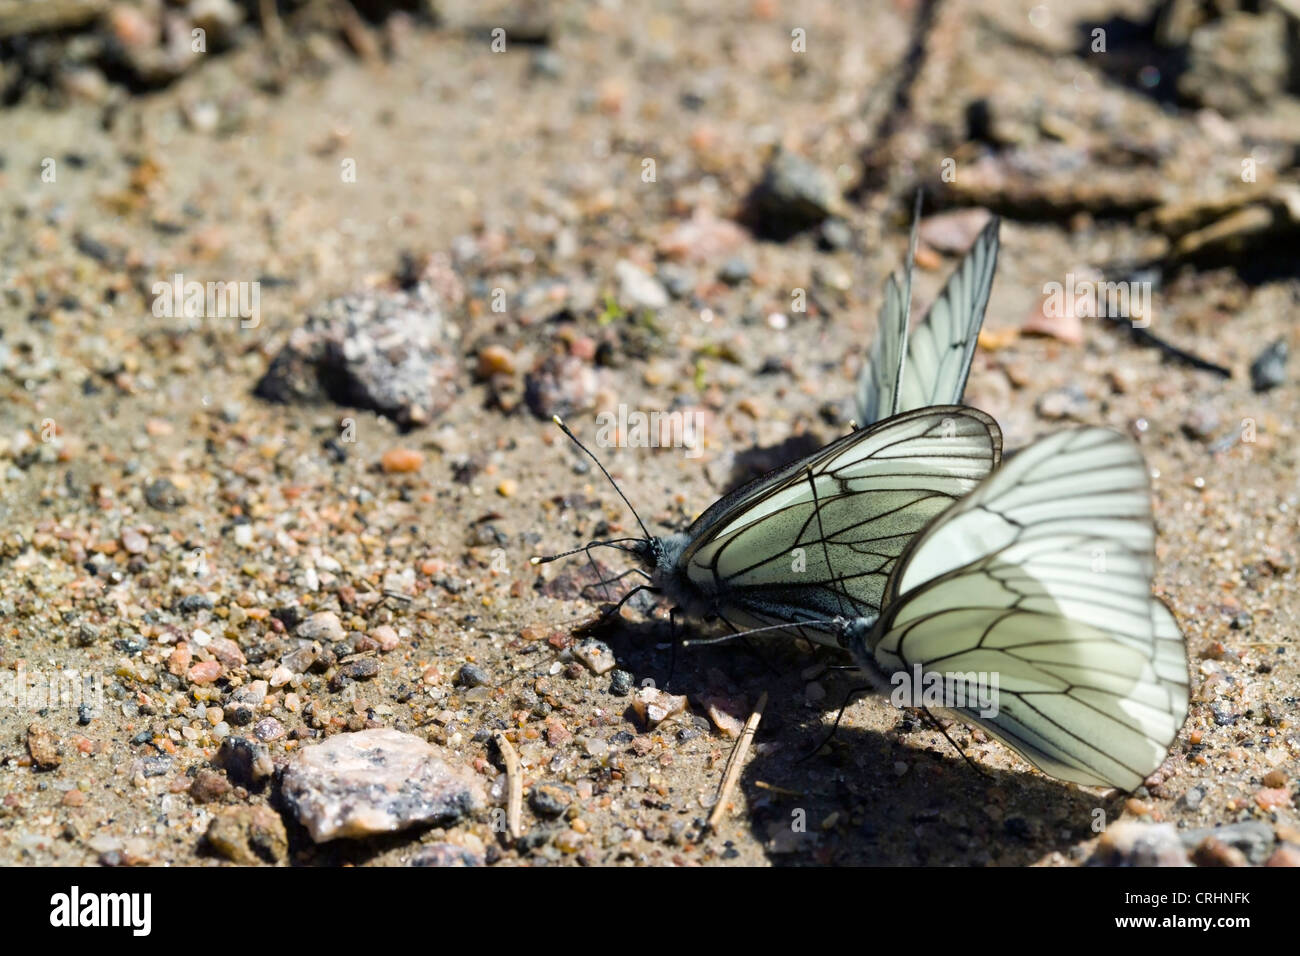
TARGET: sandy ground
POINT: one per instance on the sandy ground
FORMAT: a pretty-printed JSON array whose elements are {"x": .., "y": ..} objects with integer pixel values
[{"x": 451, "y": 140}]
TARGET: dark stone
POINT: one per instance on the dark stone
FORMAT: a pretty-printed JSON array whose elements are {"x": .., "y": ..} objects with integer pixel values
[
  {"x": 471, "y": 675},
  {"x": 621, "y": 683},
  {"x": 193, "y": 603},
  {"x": 550, "y": 800},
  {"x": 247, "y": 763},
  {"x": 1269, "y": 368},
  {"x": 162, "y": 495}
]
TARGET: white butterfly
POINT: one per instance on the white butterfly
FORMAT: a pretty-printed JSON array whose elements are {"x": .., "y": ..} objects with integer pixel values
[
  {"x": 1041, "y": 579},
  {"x": 818, "y": 537},
  {"x": 938, "y": 352}
]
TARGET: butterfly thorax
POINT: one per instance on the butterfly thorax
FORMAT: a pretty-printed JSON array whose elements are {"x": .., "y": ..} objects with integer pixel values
[
  {"x": 854, "y": 633},
  {"x": 857, "y": 637},
  {"x": 662, "y": 558}
]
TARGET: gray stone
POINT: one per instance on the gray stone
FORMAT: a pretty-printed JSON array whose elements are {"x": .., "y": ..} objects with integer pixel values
[
  {"x": 376, "y": 781},
  {"x": 1269, "y": 368},
  {"x": 162, "y": 495},
  {"x": 1129, "y": 843},
  {"x": 1069, "y": 401},
  {"x": 324, "y": 626},
  {"x": 1255, "y": 838},
  {"x": 637, "y": 289},
  {"x": 392, "y": 352},
  {"x": 596, "y": 655},
  {"x": 446, "y": 854},
  {"x": 550, "y": 800},
  {"x": 793, "y": 195}
]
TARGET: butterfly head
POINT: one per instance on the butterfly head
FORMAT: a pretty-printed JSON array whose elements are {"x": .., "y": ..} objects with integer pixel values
[{"x": 853, "y": 633}]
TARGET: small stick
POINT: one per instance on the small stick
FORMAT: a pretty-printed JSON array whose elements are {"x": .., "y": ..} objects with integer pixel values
[
  {"x": 784, "y": 791},
  {"x": 1146, "y": 337},
  {"x": 514, "y": 786},
  {"x": 734, "y": 764}
]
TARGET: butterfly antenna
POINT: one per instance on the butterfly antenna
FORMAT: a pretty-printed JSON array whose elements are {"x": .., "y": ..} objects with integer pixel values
[
  {"x": 907, "y": 304},
  {"x": 741, "y": 635},
  {"x": 616, "y": 543},
  {"x": 574, "y": 438}
]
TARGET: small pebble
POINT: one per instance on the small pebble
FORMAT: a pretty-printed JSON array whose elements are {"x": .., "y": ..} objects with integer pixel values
[
  {"x": 596, "y": 655},
  {"x": 386, "y": 636},
  {"x": 621, "y": 683},
  {"x": 1269, "y": 368},
  {"x": 401, "y": 460},
  {"x": 550, "y": 800},
  {"x": 734, "y": 271},
  {"x": 471, "y": 675},
  {"x": 1059, "y": 403},
  {"x": 134, "y": 542},
  {"x": 654, "y": 706},
  {"x": 323, "y": 626},
  {"x": 496, "y": 360},
  {"x": 162, "y": 495},
  {"x": 44, "y": 747},
  {"x": 204, "y": 672}
]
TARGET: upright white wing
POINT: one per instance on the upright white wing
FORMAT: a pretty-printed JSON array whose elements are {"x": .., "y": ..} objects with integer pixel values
[
  {"x": 1042, "y": 576},
  {"x": 819, "y": 537},
  {"x": 940, "y": 349},
  {"x": 876, "y": 391}
]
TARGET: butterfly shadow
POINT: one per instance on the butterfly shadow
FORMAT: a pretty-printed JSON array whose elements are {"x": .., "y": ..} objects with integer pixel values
[{"x": 902, "y": 797}]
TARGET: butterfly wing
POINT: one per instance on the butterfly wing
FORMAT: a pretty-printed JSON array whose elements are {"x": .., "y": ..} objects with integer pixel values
[
  {"x": 1042, "y": 576},
  {"x": 819, "y": 537},
  {"x": 877, "y": 382},
  {"x": 940, "y": 349}
]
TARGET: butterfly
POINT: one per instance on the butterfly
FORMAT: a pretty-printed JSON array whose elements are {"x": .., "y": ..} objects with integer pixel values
[
  {"x": 764, "y": 553},
  {"x": 1039, "y": 583},
  {"x": 937, "y": 354},
  {"x": 744, "y": 560}
]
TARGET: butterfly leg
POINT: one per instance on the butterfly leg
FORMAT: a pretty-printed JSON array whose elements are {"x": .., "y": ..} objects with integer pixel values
[
  {"x": 672, "y": 645},
  {"x": 616, "y": 578},
  {"x": 939, "y": 727},
  {"x": 848, "y": 699},
  {"x": 596, "y": 569},
  {"x": 613, "y": 611}
]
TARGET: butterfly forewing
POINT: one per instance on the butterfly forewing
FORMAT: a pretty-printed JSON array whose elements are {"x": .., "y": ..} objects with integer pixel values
[
  {"x": 1056, "y": 601},
  {"x": 820, "y": 537}
]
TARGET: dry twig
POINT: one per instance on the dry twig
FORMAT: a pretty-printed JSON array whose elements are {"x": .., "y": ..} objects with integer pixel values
[
  {"x": 514, "y": 787},
  {"x": 737, "y": 760}
]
